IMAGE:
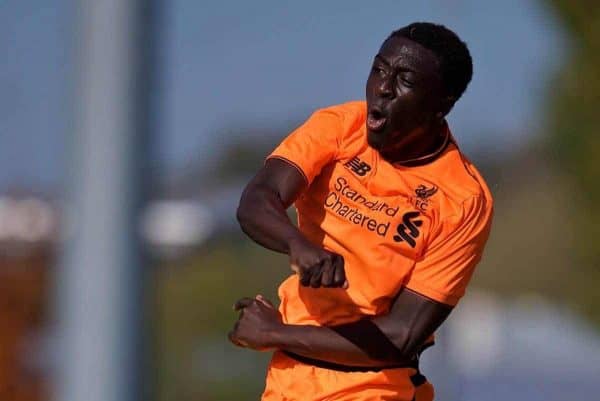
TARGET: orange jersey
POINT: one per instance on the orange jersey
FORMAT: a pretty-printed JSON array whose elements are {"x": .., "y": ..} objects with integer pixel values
[{"x": 421, "y": 227}]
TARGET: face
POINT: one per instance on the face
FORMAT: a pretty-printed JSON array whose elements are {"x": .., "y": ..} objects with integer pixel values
[{"x": 404, "y": 95}]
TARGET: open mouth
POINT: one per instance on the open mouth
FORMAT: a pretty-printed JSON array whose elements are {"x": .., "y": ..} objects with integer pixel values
[{"x": 376, "y": 119}]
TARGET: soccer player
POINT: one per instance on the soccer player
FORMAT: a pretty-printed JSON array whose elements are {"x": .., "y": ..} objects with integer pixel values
[{"x": 392, "y": 219}]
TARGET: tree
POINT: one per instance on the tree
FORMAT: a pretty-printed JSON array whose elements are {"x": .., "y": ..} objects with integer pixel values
[{"x": 574, "y": 131}]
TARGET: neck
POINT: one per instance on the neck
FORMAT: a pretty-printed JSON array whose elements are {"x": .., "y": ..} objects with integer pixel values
[{"x": 423, "y": 144}]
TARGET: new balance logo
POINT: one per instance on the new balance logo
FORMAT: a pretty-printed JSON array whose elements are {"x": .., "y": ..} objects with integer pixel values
[
  {"x": 408, "y": 231},
  {"x": 358, "y": 167}
]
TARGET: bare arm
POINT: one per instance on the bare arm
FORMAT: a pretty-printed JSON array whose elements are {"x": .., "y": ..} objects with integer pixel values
[
  {"x": 389, "y": 339},
  {"x": 262, "y": 209},
  {"x": 262, "y": 216}
]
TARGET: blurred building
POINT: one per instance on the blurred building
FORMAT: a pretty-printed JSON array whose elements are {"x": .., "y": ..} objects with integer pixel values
[
  {"x": 526, "y": 348},
  {"x": 28, "y": 234}
]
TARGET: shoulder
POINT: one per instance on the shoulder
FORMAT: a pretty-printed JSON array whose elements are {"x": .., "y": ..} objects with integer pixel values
[
  {"x": 340, "y": 125},
  {"x": 464, "y": 192},
  {"x": 349, "y": 116}
]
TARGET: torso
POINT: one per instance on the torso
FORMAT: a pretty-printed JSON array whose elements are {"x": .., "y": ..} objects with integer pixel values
[{"x": 380, "y": 218}]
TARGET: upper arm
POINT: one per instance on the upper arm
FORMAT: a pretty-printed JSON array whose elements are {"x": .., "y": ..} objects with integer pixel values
[
  {"x": 279, "y": 177},
  {"x": 396, "y": 336},
  {"x": 440, "y": 278},
  {"x": 412, "y": 319},
  {"x": 456, "y": 247},
  {"x": 299, "y": 158},
  {"x": 313, "y": 145}
]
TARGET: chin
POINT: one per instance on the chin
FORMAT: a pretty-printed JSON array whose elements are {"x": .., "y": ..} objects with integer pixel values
[{"x": 375, "y": 140}]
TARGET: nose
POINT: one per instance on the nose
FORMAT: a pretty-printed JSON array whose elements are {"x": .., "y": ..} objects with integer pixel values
[{"x": 384, "y": 89}]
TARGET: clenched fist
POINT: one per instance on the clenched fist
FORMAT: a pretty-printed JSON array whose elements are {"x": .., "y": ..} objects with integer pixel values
[
  {"x": 316, "y": 266},
  {"x": 257, "y": 321}
]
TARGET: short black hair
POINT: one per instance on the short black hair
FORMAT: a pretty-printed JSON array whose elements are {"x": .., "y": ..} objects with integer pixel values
[{"x": 456, "y": 64}]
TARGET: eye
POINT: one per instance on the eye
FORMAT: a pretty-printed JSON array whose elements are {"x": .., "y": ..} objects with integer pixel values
[
  {"x": 405, "y": 80},
  {"x": 376, "y": 69}
]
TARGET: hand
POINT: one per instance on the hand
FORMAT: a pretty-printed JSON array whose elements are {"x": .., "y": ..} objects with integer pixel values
[
  {"x": 258, "y": 319},
  {"x": 316, "y": 266}
]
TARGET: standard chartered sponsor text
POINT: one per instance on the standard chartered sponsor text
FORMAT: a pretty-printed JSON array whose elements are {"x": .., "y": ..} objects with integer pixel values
[{"x": 336, "y": 202}]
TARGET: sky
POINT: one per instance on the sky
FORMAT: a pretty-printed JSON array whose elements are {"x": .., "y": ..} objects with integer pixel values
[{"x": 233, "y": 64}]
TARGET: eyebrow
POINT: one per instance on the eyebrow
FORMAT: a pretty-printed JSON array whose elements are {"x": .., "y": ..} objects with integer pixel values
[
  {"x": 384, "y": 61},
  {"x": 381, "y": 59}
]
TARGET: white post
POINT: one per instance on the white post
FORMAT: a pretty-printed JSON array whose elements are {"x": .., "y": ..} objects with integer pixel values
[{"x": 100, "y": 280}]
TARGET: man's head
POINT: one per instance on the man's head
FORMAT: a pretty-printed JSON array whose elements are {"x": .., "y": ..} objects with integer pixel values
[{"x": 418, "y": 74}]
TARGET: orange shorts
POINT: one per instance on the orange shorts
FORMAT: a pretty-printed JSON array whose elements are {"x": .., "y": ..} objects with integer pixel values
[{"x": 290, "y": 380}]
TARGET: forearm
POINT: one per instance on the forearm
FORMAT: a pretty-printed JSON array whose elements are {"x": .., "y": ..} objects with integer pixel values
[
  {"x": 391, "y": 339},
  {"x": 338, "y": 345},
  {"x": 263, "y": 218}
]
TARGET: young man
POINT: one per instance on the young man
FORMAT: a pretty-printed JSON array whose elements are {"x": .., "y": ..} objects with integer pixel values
[{"x": 392, "y": 220}]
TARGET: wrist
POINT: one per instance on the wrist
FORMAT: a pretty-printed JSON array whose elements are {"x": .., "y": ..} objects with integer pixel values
[
  {"x": 275, "y": 337},
  {"x": 294, "y": 239}
]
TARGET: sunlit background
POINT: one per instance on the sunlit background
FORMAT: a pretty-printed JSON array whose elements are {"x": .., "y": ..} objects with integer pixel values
[{"x": 232, "y": 78}]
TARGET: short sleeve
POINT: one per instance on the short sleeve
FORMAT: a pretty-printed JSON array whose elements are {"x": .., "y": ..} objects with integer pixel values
[
  {"x": 314, "y": 144},
  {"x": 448, "y": 262}
]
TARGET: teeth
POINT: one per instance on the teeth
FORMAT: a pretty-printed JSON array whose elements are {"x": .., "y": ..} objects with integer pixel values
[{"x": 375, "y": 123}]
